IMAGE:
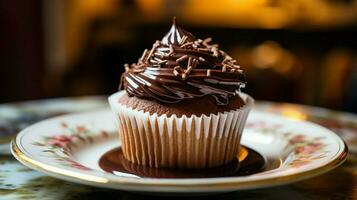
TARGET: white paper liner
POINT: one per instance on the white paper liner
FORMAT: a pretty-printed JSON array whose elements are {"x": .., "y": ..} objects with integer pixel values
[{"x": 180, "y": 142}]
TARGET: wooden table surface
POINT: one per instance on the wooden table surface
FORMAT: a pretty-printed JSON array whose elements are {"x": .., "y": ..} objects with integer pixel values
[{"x": 20, "y": 182}]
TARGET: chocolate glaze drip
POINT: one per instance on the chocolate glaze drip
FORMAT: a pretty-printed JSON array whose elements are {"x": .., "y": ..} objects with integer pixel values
[{"x": 182, "y": 67}]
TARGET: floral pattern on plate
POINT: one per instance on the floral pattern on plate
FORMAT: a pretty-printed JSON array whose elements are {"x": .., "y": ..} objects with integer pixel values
[
  {"x": 61, "y": 145},
  {"x": 305, "y": 149}
]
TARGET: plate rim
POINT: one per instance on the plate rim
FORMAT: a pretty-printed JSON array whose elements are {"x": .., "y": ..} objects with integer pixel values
[{"x": 174, "y": 185}]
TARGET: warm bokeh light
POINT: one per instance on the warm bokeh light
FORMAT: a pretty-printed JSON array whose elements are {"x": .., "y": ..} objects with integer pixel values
[
  {"x": 271, "y": 14},
  {"x": 297, "y": 51},
  {"x": 293, "y": 113}
]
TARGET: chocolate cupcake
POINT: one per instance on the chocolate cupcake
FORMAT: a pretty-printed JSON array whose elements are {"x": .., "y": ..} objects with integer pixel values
[{"x": 182, "y": 106}]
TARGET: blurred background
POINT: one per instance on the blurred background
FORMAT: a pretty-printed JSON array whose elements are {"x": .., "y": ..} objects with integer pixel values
[{"x": 299, "y": 51}]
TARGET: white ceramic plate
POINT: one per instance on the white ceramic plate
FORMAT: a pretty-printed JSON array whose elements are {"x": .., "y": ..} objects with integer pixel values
[{"x": 69, "y": 147}]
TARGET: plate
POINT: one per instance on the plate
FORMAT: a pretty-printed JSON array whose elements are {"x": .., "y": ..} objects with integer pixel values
[{"x": 69, "y": 148}]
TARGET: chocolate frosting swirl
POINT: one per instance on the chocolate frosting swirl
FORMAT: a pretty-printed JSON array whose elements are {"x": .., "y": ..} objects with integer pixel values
[{"x": 182, "y": 67}]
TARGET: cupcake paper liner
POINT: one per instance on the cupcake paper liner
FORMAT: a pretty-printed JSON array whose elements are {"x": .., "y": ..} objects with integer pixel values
[{"x": 180, "y": 142}]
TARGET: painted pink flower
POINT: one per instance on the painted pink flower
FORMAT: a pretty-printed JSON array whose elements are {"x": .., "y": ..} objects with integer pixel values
[
  {"x": 299, "y": 150},
  {"x": 77, "y": 165},
  {"x": 299, "y": 163},
  {"x": 80, "y": 129},
  {"x": 60, "y": 140},
  {"x": 297, "y": 139},
  {"x": 312, "y": 148}
]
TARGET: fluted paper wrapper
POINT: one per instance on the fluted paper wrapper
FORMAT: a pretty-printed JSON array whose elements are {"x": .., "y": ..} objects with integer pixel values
[{"x": 180, "y": 142}]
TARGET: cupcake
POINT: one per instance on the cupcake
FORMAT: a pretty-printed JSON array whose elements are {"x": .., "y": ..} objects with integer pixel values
[{"x": 181, "y": 106}]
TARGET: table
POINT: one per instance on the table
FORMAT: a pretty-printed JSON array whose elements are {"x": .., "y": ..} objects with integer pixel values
[{"x": 20, "y": 182}]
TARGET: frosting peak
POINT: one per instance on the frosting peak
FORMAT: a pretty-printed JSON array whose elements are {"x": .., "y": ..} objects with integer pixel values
[
  {"x": 175, "y": 35},
  {"x": 182, "y": 67}
]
